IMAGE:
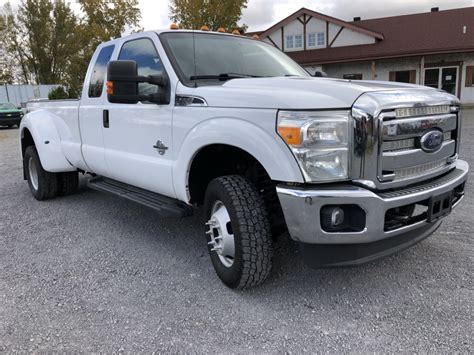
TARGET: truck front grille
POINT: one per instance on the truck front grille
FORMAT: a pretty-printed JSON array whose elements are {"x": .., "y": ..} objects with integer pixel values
[{"x": 401, "y": 157}]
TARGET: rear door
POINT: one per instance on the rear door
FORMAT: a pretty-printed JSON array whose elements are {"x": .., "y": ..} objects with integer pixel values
[
  {"x": 93, "y": 102},
  {"x": 135, "y": 131}
]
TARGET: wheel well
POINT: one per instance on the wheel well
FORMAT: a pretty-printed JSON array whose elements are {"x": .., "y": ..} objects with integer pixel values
[
  {"x": 26, "y": 140},
  {"x": 218, "y": 160}
]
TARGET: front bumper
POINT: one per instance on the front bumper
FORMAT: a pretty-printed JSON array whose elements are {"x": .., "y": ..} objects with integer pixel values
[{"x": 302, "y": 208}]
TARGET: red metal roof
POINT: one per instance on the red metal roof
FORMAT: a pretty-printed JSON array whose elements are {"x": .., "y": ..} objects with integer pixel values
[{"x": 407, "y": 35}]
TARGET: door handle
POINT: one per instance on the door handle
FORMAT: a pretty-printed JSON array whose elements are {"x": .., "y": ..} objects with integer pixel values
[
  {"x": 105, "y": 118},
  {"x": 160, "y": 146}
]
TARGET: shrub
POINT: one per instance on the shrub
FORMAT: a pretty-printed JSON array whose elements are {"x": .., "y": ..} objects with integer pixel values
[{"x": 58, "y": 93}]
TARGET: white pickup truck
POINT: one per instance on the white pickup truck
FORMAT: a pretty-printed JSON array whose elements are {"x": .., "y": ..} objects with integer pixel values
[{"x": 175, "y": 119}]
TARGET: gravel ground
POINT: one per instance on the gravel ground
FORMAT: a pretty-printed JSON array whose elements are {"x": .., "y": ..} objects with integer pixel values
[{"x": 95, "y": 273}]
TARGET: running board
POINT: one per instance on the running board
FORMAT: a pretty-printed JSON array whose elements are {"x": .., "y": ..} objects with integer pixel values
[{"x": 166, "y": 206}]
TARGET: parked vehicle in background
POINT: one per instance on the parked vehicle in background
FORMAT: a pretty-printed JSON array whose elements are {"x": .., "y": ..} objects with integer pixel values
[
  {"x": 10, "y": 115},
  {"x": 174, "y": 120}
]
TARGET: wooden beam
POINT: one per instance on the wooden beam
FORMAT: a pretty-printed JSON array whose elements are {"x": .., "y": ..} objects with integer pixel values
[
  {"x": 304, "y": 33},
  {"x": 308, "y": 19},
  {"x": 335, "y": 37},
  {"x": 282, "y": 38},
  {"x": 301, "y": 21},
  {"x": 271, "y": 40},
  {"x": 373, "y": 70},
  {"x": 327, "y": 34}
]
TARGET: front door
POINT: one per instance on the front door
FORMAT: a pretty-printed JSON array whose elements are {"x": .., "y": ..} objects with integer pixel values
[
  {"x": 444, "y": 78},
  {"x": 135, "y": 130}
]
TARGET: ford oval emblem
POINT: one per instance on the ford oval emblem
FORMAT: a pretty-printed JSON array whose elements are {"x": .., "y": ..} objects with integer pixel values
[{"x": 432, "y": 141}]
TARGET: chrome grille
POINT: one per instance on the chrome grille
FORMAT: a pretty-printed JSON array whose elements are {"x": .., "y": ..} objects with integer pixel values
[
  {"x": 388, "y": 126},
  {"x": 401, "y": 157}
]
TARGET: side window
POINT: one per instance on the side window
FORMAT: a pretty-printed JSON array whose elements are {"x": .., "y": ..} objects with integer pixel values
[
  {"x": 100, "y": 68},
  {"x": 143, "y": 51}
]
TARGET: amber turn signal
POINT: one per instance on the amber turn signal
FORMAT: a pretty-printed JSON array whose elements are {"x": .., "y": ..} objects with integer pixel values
[
  {"x": 291, "y": 135},
  {"x": 221, "y": 30},
  {"x": 174, "y": 26},
  {"x": 235, "y": 32},
  {"x": 110, "y": 87},
  {"x": 204, "y": 28}
]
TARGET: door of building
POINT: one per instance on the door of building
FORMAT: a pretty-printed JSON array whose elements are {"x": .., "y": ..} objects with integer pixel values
[{"x": 444, "y": 78}]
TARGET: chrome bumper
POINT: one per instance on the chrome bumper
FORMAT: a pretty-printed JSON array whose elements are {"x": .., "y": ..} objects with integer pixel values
[{"x": 302, "y": 207}]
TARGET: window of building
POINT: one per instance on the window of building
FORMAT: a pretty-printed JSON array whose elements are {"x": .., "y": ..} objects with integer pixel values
[
  {"x": 403, "y": 76},
  {"x": 298, "y": 41},
  {"x": 352, "y": 76},
  {"x": 143, "y": 51},
  {"x": 321, "y": 39},
  {"x": 469, "y": 76},
  {"x": 316, "y": 39},
  {"x": 293, "y": 41},
  {"x": 96, "y": 83},
  {"x": 312, "y": 40}
]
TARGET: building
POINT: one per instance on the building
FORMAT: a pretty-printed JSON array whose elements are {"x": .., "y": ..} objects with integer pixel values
[{"x": 435, "y": 49}]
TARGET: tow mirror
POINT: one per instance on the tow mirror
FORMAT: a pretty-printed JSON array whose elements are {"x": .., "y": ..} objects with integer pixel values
[{"x": 123, "y": 80}]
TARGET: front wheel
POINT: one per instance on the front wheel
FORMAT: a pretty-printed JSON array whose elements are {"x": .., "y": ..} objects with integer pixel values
[{"x": 238, "y": 235}]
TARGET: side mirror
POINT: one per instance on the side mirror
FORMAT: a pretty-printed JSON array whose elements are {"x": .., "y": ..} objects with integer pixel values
[
  {"x": 123, "y": 80},
  {"x": 122, "y": 87}
]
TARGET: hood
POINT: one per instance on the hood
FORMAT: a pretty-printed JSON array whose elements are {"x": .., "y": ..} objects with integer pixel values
[{"x": 290, "y": 93}]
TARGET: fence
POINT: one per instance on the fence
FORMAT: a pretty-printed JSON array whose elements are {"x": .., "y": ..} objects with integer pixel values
[{"x": 18, "y": 94}]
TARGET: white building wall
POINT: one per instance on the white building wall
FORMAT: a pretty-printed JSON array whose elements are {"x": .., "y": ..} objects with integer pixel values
[
  {"x": 276, "y": 38},
  {"x": 333, "y": 30},
  {"x": 350, "y": 38},
  {"x": 293, "y": 28},
  {"x": 316, "y": 26}
]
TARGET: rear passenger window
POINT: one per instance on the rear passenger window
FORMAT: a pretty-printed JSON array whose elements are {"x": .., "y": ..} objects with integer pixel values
[
  {"x": 143, "y": 52},
  {"x": 100, "y": 68}
]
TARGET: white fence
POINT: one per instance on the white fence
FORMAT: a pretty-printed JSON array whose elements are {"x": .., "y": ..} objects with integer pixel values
[{"x": 18, "y": 94}]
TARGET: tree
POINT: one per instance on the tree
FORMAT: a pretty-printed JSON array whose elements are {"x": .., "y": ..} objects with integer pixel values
[
  {"x": 102, "y": 21},
  {"x": 12, "y": 51},
  {"x": 53, "y": 45},
  {"x": 192, "y": 14}
]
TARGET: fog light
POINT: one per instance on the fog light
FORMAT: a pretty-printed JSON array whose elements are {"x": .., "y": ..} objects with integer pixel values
[
  {"x": 342, "y": 218},
  {"x": 332, "y": 218}
]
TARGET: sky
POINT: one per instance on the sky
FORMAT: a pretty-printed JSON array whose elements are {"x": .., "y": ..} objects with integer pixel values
[{"x": 261, "y": 14}]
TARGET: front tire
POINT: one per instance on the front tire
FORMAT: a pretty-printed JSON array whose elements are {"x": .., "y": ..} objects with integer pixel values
[
  {"x": 43, "y": 185},
  {"x": 239, "y": 235}
]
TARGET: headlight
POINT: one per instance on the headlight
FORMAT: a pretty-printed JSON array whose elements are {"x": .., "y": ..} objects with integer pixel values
[{"x": 320, "y": 142}]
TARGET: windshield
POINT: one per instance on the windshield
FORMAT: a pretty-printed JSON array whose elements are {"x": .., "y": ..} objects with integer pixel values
[
  {"x": 221, "y": 58},
  {"x": 7, "y": 106}
]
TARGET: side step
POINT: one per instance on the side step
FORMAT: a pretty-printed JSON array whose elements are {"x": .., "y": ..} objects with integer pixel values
[{"x": 166, "y": 206}]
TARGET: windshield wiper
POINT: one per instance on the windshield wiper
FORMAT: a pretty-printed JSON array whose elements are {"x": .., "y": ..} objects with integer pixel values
[{"x": 222, "y": 76}]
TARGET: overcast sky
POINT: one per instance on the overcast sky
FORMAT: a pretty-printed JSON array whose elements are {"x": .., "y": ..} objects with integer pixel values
[{"x": 261, "y": 14}]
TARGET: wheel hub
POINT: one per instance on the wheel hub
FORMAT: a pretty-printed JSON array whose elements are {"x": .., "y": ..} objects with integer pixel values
[
  {"x": 33, "y": 173},
  {"x": 221, "y": 234}
]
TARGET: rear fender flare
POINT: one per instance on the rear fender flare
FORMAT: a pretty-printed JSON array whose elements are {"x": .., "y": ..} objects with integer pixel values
[{"x": 43, "y": 127}]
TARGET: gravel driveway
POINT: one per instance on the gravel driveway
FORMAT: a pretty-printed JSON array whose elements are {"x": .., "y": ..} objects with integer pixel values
[{"x": 95, "y": 273}]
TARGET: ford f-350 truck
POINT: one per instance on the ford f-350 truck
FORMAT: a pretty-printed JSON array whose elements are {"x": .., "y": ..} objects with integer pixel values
[{"x": 176, "y": 119}]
